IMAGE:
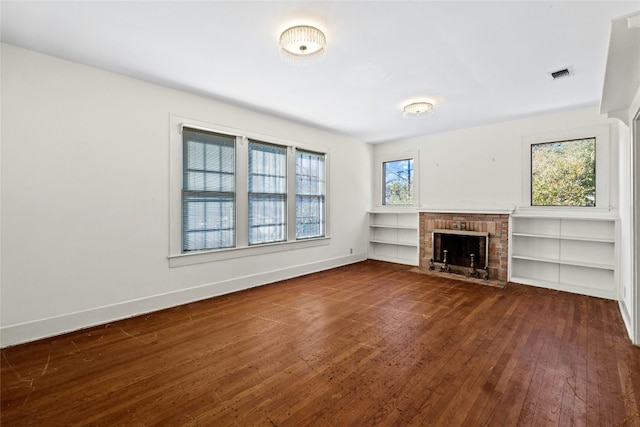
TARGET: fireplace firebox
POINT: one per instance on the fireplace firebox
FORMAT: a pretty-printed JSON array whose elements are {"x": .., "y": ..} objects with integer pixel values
[
  {"x": 461, "y": 248},
  {"x": 494, "y": 226}
]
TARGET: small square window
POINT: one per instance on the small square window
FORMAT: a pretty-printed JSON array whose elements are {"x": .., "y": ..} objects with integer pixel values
[
  {"x": 398, "y": 182},
  {"x": 563, "y": 173}
]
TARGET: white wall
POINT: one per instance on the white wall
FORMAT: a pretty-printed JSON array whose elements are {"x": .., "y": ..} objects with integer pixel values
[
  {"x": 482, "y": 167},
  {"x": 85, "y": 198},
  {"x": 634, "y": 223},
  {"x": 625, "y": 244},
  {"x": 629, "y": 132}
]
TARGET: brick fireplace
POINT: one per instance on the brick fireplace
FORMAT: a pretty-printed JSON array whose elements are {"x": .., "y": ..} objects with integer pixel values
[{"x": 497, "y": 225}]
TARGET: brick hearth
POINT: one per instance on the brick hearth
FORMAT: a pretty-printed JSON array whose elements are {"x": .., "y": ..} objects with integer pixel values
[{"x": 497, "y": 225}]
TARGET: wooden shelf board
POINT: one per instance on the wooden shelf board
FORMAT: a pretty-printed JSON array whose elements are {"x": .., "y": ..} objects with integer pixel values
[
  {"x": 557, "y": 237},
  {"x": 394, "y": 243},
  {"x": 407, "y": 261},
  {"x": 565, "y": 217},
  {"x": 399, "y": 227},
  {"x": 565, "y": 287},
  {"x": 565, "y": 262}
]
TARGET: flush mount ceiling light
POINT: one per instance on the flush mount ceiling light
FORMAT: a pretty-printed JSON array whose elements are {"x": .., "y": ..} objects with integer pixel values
[
  {"x": 303, "y": 44},
  {"x": 417, "y": 109}
]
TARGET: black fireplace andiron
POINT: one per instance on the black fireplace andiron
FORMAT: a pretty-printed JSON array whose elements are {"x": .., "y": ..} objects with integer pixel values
[
  {"x": 473, "y": 272},
  {"x": 445, "y": 267}
]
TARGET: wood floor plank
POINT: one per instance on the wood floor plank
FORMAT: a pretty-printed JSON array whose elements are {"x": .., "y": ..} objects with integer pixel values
[{"x": 369, "y": 344}]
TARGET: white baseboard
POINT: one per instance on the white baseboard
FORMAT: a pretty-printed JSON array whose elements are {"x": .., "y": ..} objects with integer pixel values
[
  {"x": 626, "y": 318},
  {"x": 564, "y": 287},
  {"x": 42, "y": 328}
]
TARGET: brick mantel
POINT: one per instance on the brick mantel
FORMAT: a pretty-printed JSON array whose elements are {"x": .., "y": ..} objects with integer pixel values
[{"x": 496, "y": 224}]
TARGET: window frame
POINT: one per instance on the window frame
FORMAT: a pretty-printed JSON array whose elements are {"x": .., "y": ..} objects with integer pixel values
[
  {"x": 595, "y": 169},
  {"x": 267, "y": 194},
  {"x": 176, "y": 257},
  {"x": 384, "y": 181},
  {"x": 379, "y": 184},
  {"x": 323, "y": 196},
  {"x": 601, "y": 133},
  {"x": 207, "y": 194}
]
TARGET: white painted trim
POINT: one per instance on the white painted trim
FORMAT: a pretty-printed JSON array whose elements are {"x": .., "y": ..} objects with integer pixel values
[
  {"x": 564, "y": 215},
  {"x": 176, "y": 258},
  {"x": 33, "y": 330},
  {"x": 602, "y": 133},
  {"x": 378, "y": 186},
  {"x": 581, "y": 290},
  {"x": 468, "y": 211},
  {"x": 510, "y": 249},
  {"x": 182, "y": 260},
  {"x": 634, "y": 113},
  {"x": 408, "y": 210},
  {"x": 626, "y": 316},
  {"x": 461, "y": 232}
]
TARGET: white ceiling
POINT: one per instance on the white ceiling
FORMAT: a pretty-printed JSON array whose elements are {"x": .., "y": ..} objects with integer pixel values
[{"x": 479, "y": 62}]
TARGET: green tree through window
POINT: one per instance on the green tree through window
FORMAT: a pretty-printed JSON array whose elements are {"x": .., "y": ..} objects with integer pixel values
[
  {"x": 398, "y": 182},
  {"x": 563, "y": 173}
]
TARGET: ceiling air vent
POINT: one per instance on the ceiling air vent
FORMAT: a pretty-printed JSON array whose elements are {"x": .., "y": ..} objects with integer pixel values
[{"x": 565, "y": 72}]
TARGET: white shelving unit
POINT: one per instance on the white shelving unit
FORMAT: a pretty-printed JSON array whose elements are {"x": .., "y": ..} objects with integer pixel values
[
  {"x": 393, "y": 236},
  {"x": 573, "y": 254}
]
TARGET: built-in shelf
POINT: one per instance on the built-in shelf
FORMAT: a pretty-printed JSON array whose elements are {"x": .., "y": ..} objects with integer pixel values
[
  {"x": 574, "y": 254},
  {"x": 393, "y": 236},
  {"x": 566, "y": 262},
  {"x": 586, "y": 239},
  {"x": 388, "y": 242},
  {"x": 398, "y": 227}
]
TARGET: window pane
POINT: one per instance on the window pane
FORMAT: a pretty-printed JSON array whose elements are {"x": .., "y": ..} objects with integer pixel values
[
  {"x": 309, "y": 216},
  {"x": 267, "y": 218},
  {"x": 267, "y": 168},
  {"x": 398, "y": 182},
  {"x": 310, "y": 195},
  {"x": 209, "y": 161},
  {"x": 563, "y": 173},
  {"x": 267, "y": 193},
  {"x": 208, "y": 222},
  {"x": 208, "y": 191}
]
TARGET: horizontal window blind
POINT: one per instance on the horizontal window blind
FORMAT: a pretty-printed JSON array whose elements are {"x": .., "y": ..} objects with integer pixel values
[
  {"x": 310, "y": 194},
  {"x": 267, "y": 193},
  {"x": 208, "y": 191}
]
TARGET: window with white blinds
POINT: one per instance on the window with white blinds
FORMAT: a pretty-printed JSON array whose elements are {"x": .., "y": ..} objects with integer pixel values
[
  {"x": 267, "y": 193},
  {"x": 235, "y": 193},
  {"x": 208, "y": 191},
  {"x": 310, "y": 194}
]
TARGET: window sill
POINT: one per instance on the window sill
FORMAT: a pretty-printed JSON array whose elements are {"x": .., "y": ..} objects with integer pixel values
[
  {"x": 395, "y": 209},
  {"x": 181, "y": 260},
  {"x": 565, "y": 212}
]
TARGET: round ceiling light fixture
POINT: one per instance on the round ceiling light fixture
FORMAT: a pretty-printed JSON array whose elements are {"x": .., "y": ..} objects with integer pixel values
[
  {"x": 303, "y": 44},
  {"x": 417, "y": 109}
]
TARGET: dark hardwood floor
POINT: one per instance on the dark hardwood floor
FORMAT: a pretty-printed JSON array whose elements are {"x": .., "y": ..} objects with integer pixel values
[{"x": 367, "y": 344}]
